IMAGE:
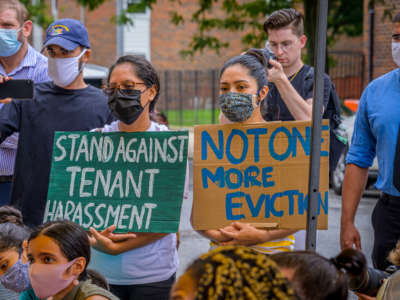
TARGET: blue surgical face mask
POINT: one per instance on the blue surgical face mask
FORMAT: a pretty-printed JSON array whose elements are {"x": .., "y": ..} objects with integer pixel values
[
  {"x": 16, "y": 278},
  {"x": 237, "y": 107},
  {"x": 9, "y": 43}
]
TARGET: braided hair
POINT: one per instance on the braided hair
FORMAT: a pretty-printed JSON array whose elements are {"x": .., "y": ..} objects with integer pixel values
[{"x": 233, "y": 272}]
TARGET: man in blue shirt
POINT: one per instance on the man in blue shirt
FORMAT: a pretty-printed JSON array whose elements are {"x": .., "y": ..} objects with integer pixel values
[
  {"x": 376, "y": 132},
  {"x": 66, "y": 103},
  {"x": 19, "y": 61}
]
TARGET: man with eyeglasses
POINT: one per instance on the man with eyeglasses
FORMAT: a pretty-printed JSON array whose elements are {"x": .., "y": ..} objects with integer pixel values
[
  {"x": 66, "y": 103},
  {"x": 18, "y": 60},
  {"x": 291, "y": 82},
  {"x": 376, "y": 133}
]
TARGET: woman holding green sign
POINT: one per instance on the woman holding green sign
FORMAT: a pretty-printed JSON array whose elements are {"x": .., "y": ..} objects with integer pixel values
[
  {"x": 243, "y": 86},
  {"x": 143, "y": 267}
]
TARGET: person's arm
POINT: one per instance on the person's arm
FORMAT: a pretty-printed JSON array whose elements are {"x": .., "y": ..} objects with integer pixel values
[
  {"x": 105, "y": 244},
  {"x": 298, "y": 108},
  {"x": 248, "y": 235},
  {"x": 355, "y": 180},
  {"x": 359, "y": 158}
]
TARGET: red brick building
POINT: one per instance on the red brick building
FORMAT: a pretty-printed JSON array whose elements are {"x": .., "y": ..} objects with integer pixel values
[
  {"x": 152, "y": 35},
  {"x": 382, "y": 61}
]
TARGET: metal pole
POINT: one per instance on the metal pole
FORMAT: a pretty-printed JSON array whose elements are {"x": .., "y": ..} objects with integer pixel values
[
  {"x": 196, "y": 97},
  {"x": 180, "y": 98},
  {"x": 213, "y": 96},
  {"x": 316, "y": 125},
  {"x": 166, "y": 92},
  {"x": 120, "y": 30},
  {"x": 371, "y": 43}
]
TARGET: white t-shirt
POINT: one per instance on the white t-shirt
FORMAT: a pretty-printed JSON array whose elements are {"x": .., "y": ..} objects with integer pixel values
[{"x": 154, "y": 262}]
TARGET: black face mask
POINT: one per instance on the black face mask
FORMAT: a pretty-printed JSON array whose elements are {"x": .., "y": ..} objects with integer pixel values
[{"x": 126, "y": 108}]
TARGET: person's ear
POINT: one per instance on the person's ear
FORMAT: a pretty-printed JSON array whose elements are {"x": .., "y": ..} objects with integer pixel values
[
  {"x": 79, "y": 266},
  {"x": 152, "y": 93},
  {"x": 24, "y": 255},
  {"x": 86, "y": 56},
  {"x": 26, "y": 29},
  {"x": 263, "y": 93},
  {"x": 303, "y": 40}
]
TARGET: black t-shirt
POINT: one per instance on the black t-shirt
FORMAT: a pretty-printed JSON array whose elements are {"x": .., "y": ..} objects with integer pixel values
[
  {"x": 52, "y": 109},
  {"x": 273, "y": 108}
]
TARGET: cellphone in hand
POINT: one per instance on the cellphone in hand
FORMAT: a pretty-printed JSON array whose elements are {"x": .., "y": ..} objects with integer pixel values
[{"x": 17, "y": 89}]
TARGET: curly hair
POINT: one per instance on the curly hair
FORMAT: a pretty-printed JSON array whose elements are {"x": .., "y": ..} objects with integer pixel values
[{"x": 233, "y": 272}]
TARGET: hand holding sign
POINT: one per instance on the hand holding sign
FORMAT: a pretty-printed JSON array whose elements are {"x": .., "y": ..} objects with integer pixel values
[
  {"x": 106, "y": 241},
  {"x": 244, "y": 234}
]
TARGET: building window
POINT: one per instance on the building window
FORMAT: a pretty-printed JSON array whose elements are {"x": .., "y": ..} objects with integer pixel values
[{"x": 136, "y": 6}]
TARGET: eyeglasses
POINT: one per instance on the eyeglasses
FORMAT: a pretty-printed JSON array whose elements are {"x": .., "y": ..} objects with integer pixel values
[
  {"x": 396, "y": 37},
  {"x": 127, "y": 89},
  {"x": 284, "y": 46}
]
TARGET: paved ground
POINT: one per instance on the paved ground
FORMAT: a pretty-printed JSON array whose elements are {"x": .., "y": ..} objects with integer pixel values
[{"x": 193, "y": 245}]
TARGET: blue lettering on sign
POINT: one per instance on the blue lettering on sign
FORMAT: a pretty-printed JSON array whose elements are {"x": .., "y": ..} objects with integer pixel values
[
  {"x": 290, "y": 194},
  {"x": 257, "y": 132},
  {"x": 245, "y": 142},
  {"x": 250, "y": 176},
  {"x": 302, "y": 202},
  {"x": 207, "y": 139},
  {"x": 230, "y": 205},
  {"x": 265, "y": 175},
  {"x": 305, "y": 142},
  {"x": 323, "y": 152},
  {"x": 271, "y": 145},
  {"x": 255, "y": 210},
  {"x": 323, "y": 204},
  {"x": 270, "y": 205},
  {"x": 218, "y": 177},
  {"x": 239, "y": 179}
]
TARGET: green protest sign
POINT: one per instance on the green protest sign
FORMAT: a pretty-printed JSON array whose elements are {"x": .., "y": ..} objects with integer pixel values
[{"x": 133, "y": 180}]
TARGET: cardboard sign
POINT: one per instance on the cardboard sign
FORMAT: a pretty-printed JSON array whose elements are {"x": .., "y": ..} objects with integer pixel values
[
  {"x": 133, "y": 180},
  {"x": 256, "y": 174}
]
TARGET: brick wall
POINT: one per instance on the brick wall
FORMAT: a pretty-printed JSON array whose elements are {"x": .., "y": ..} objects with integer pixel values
[
  {"x": 102, "y": 33},
  {"x": 382, "y": 53},
  {"x": 167, "y": 39}
]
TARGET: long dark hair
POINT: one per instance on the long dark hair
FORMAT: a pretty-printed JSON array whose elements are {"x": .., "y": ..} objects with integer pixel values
[
  {"x": 319, "y": 278},
  {"x": 255, "y": 61},
  {"x": 144, "y": 70},
  {"x": 70, "y": 237},
  {"x": 12, "y": 229}
]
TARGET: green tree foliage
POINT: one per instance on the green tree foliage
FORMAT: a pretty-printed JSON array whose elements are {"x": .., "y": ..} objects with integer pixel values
[{"x": 243, "y": 16}]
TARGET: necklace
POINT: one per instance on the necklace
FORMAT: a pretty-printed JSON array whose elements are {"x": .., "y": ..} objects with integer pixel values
[{"x": 294, "y": 76}]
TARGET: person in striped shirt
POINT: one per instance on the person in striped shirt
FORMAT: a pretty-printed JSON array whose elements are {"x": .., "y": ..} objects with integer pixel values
[
  {"x": 18, "y": 60},
  {"x": 243, "y": 86}
]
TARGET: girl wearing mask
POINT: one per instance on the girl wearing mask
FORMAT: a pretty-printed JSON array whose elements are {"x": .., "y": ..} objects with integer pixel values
[
  {"x": 58, "y": 254},
  {"x": 13, "y": 262},
  {"x": 243, "y": 86},
  {"x": 143, "y": 267}
]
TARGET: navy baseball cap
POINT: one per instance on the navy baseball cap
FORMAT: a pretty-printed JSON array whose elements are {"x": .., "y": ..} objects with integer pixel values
[{"x": 68, "y": 34}]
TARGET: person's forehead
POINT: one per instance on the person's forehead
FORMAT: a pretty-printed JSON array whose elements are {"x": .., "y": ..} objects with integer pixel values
[
  {"x": 43, "y": 244},
  {"x": 8, "y": 15},
  {"x": 279, "y": 35},
  {"x": 396, "y": 28}
]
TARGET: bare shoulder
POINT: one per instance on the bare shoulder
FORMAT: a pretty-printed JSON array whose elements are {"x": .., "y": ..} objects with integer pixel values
[{"x": 97, "y": 297}]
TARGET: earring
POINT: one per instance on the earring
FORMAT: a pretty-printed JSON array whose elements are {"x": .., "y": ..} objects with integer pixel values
[{"x": 75, "y": 282}]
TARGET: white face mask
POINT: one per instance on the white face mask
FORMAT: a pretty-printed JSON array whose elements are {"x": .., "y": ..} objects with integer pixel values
[
  {"x": 396, "y": 53},
  {"x": 63, "y": 71}
]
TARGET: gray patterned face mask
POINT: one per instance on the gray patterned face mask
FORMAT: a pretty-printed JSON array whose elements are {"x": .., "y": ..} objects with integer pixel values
[
  {"x": 237, "y": 107},
  {"x": 16, "y": 278}
]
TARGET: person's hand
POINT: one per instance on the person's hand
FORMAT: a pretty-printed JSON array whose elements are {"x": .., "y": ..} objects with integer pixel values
[
  {"x": 349, "y": 236},
  {"x": 243, "y": 234},
  {"x": 116, "y": 237},
  {"x": 364, "y": 297},
  {"x": 275, "y": 74},
  {"x": 106, "y": 241},
  {"x": 2, "y": 80}
]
